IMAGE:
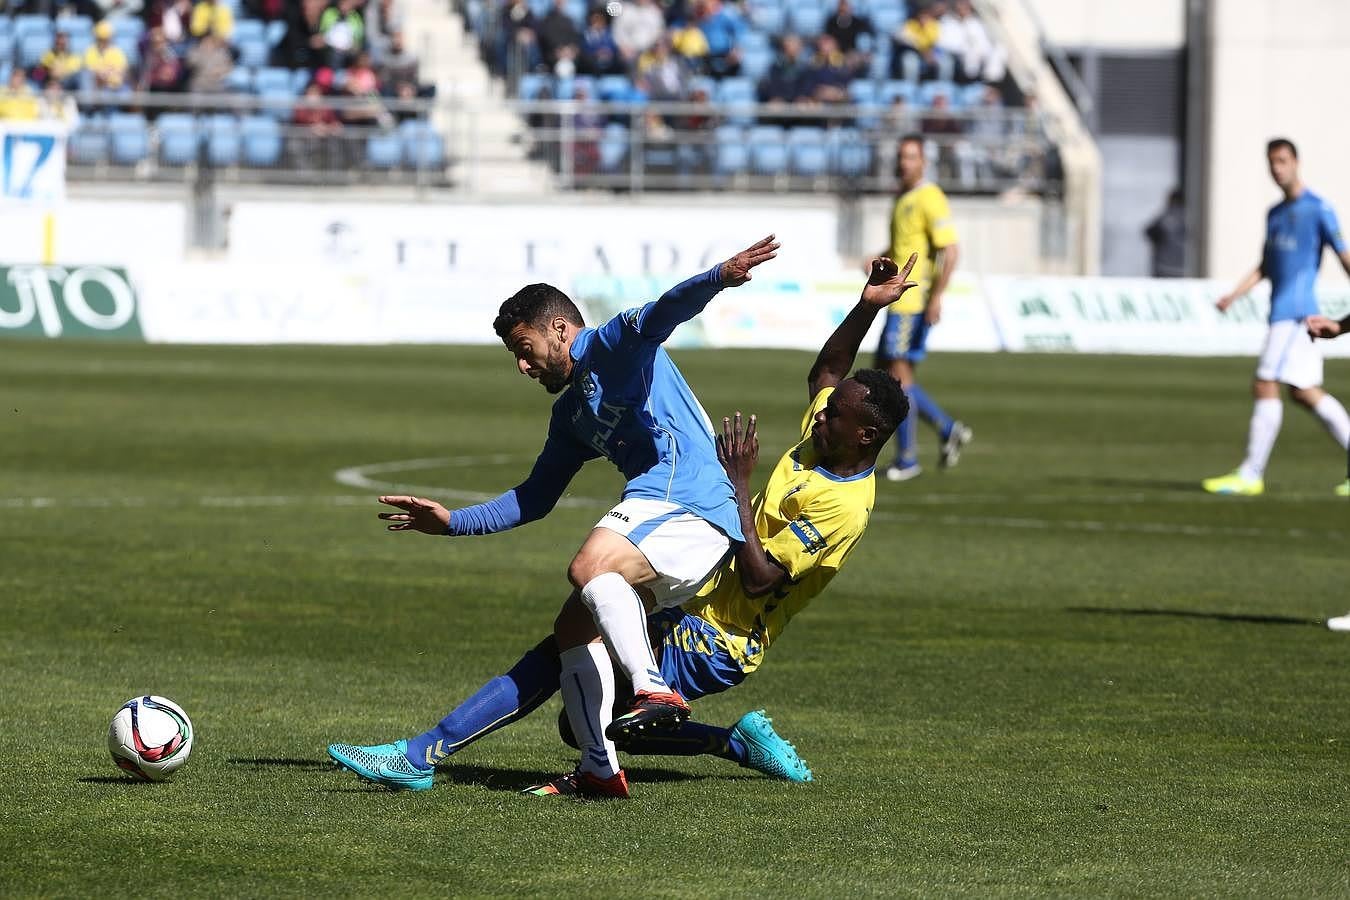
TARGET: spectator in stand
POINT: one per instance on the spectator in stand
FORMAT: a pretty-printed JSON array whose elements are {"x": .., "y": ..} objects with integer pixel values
[
  {"x": 161, "y": 68},
  {"x": 318, "y": 124},
  {"x": 599, "y": 53},
  {"x": 405, "y": 95},
  {"x": 1167, "y": 239},
  {"x": 60, "y": 64},
  {"x": 588, "y": 125},
  {"x": 175, "y": 18},
  {"x": 963, "y": 35},
  {"x": 916, "y": 43},
  {"x": 267, "y": 10},
  {"x": 106, "y": 62},
  {"x": 518, "y": 47},
  {"x": 637, "y": 28},
  {"x": 689, "y": 42},
  {"x": 344, "y": 32},
  {"x": 663, "y": 75},
  {"x": 209, "y": 65},
  {"x": 18, "y": 103},
  {"x": 364, "y": 84},
  {"x": 560, "y": 40},
  {"x": 786, "y": 81},
  {"x": 396, "y": 62},
  {"x": 117, "y": 9},
  {"x": 210, "y": 17},
  {"x": 723, "y": 30},
  {"x": 303, "y": 47},
  {"x": 58, "y": 106},
  {"x": 846, "y": 27},
  {"x": 939, "y": 119},
  {"x": 828, "y": 76}
]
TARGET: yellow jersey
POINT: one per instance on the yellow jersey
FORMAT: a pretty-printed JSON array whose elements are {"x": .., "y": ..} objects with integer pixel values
[
  {"x": 809, "y": 520},
  {"x": 921, "y": 223}
]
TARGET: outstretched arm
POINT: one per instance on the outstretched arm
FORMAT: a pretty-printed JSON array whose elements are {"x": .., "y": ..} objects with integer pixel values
[
  {"x": 1246, "y": 284},
  {"x": 886, "y": 283},
  {"x": 738, "y": 450},
  {"x": 687, "y": 299}
]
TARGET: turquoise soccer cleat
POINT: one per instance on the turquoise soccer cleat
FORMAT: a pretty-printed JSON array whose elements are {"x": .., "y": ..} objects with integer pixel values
[
  {"x": 385, "y": 764},
  {"x": 769, "y": 753}
]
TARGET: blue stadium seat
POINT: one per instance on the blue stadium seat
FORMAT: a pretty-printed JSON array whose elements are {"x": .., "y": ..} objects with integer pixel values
[
  {"x": 850, "y": 152},
  {"x": 253, "y": 52},
  {"x": 971, "y": 96},
  {"x": 131, "y": 48},
  {"x": 566, "y": 88},
  {"x": 890, "y": 90},
  {"x": 26, "y": 25},
  {"x": 128, "y": 28},
  {"x": 862, "y": 92},
  {"x": 732, "y": 153},
  {"x": 614, "y": 88},
  {"x": 768, "y": 150},
  {"x": 756, "y": 40},
  {"x": 422, "y": 145},
  {"x": 739, "y": 94},
  {"x": 576, "y": 9},
  {"x": 275, "y": 32},
  {"x": 246, "y": 30},
  {"x": 130, "y": 138},
  {"x": 261, "y": 141},
  {"x": 756, "y": 61},
  {"x": 273, "y": 80},
  {"x": 79, "y": 28},
  {"x": 808, "y": 19},
  {"x": 6, "y": 46},
  {"x": 886, "y": 20},
  {"x": 179, "y": 138},
  {"x": 534, "y": 86},
  {"x": 223, "y": 140},
  {"x": 769, "y": 17},
  {"x": 299, "y": 81},
  {"x": 89, "y": 144},
  {"x": 384, "y": 150},
  {"x": 808, "y": 153},
  {"x": 933, "y": 89},
  {"x": 613, "y": 148},
  {"x": 277, "y": 102},
  {"x": 239, "y": 81}
]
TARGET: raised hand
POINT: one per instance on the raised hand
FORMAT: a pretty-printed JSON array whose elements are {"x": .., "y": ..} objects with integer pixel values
[
  {"x": 426, "y": 516},
  {"x": 736, "y": 271},
  {"x": 887, "y": 281},
  {"x": 737, "y": 449}
]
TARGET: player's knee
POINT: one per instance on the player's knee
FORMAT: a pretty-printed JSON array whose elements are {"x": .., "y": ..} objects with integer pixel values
[{"x": 1305, "y": 396}]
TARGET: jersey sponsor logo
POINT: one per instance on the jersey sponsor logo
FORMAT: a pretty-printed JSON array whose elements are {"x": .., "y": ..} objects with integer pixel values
[
  {"x": 809, "y": 535},
  {"x": 617, "y": 515},
  {"x": 587, "y": 385}
]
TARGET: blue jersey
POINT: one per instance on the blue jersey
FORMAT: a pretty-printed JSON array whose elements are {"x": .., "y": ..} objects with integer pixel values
[
  {"x": 1296, "y": 232},
  {"x": 628, "y": 403}
]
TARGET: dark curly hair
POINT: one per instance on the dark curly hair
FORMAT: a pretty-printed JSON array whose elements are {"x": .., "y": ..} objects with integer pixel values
[
  {"x": 534, "y": 305},
  {"x": 886, "y": 403}
]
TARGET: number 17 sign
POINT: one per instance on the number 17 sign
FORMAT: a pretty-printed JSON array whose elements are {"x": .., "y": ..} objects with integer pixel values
[{"x": 32, "y": 162}]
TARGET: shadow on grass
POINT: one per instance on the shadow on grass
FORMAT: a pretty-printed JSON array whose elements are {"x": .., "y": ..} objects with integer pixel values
[
  {"x": 1191, "y": 614},
  {"x": 282, "y": 761},
  {"x": 111, "y": 779},
  {"x": 518, "y": 779}
]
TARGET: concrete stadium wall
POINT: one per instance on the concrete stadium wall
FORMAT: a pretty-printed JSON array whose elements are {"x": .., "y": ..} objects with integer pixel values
[{"x": 1276, "y": 69}]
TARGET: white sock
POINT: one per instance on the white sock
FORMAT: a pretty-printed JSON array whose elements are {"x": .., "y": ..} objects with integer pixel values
[
  {"x": 1334, "y": 417},
  {"x": 622, "y": 620},
  {"x": 588, "y": 695},
  {"x": 1267, "y": 416}
]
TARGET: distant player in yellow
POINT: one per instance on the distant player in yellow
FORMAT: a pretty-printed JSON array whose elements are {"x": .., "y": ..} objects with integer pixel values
[
  {"x": 921, "y": 223},
  {"x": 799, "y": 532}
]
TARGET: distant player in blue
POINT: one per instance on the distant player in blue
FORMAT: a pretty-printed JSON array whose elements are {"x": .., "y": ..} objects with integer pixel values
[
  {"x": 1297, "y": 230},
  {"x": 621, "y": 397}
]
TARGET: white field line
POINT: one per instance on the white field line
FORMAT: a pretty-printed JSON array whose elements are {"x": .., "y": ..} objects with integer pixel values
[{"x": 361, "y": 477}]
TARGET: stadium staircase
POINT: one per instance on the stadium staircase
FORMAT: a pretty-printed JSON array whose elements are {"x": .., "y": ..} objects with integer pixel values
[{"x": 485, "y": 141}]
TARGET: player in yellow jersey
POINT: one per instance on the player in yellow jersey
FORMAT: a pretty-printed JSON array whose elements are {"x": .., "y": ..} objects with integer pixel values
[
  {"x": 921, "y": 223},
  {"x": 799, "y": 532}
]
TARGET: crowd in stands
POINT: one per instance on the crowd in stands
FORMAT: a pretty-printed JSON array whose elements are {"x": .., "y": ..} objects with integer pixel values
[
  {"x": 924, "y": 65},
  {"x": 344, "y": 48}
]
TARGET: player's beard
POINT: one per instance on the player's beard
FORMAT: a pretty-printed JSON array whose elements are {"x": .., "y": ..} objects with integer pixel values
[{"x": 556, "y": 373}]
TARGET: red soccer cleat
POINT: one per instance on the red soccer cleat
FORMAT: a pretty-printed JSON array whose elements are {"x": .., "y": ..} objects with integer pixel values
[
  {"x": 651, "y": 710},
  {"x": 583, "y": 786}
]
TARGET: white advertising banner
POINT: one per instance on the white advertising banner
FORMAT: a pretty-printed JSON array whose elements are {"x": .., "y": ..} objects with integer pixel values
[
  {"x": 84, "y": 232},
  {"x": 527, "y": 243}
]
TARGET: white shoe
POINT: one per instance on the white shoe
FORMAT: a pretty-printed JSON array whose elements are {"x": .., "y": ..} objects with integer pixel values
[
  {"x": 903, "y": 473},
  {"x": 1339, "y": 623},
  {"x": 950, "y": 453}
]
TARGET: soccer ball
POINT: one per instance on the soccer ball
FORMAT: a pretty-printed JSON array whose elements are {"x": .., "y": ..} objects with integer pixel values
[{"x": 150, "y": 737}]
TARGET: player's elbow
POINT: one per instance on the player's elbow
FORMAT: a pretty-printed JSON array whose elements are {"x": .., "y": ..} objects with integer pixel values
[{"x": 761, "y": 584}]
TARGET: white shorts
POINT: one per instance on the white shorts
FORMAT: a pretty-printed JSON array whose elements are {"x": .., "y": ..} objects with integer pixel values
[
  {"x": 1290, "y": 356},
  {"x": 683, "y": 549}
]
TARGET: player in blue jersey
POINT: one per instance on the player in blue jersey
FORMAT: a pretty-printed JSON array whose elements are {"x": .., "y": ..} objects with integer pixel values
[
  {"x": 622, "y": 398},
  {"x": 1297, "y": 230},
  {"x": 799, "y": 532}
]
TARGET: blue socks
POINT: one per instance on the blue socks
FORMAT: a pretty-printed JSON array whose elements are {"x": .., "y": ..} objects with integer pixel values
[
  {"x": 503, "y": 700},
  {"x": 690, "y": 739},
  {"x": 906, "y": 436}
]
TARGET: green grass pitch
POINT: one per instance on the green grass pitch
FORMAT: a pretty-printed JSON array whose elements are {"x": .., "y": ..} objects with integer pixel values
[{"x": 1059, "y": 670}]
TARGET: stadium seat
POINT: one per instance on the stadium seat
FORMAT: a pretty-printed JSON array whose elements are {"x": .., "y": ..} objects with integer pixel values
[
  {"x": 732, "y": 153},
  {"x": 384, "y": 150},
  {"x": 768, "y": 150},
  {"x": 886, "y": 20},
  {"x": 769, "y": 17},
  {"x": 613, "y": 148},
  {"x": 299, "y": 81},
  {"x": 756, "y": 62},
  {"x": 277, "y": 102},
  {"x": 422, "y": 145},
  {"x": 253, "y": 52},
  {"x": 808, "y": 19},
  {"x": 223, "y": 140},
  {"x": 807, "y": 151},
  {"x": 566, "y": 88},
  {"x": 261, "y": 141},
  {"x": 534, "y": 86},
  {"x": 128, "y": 28},
  {"x": 179, "y": 138},
  {"x": 933, "y": 89},
  {"x": 275, "y": 32},
  {"x": 269, "y": 80},
  {"x": 239, "y": 81},
  {"x": 30, "y": 48},
  {"x": 970, "y": 96},
  {"x": 850, "y": 152},
  {"x": 89, "y": 144},
  {"x": 247, "y": 30},
  {"x": 131, "y": 48},
  {"x": 79, "y": 28},
  {"x": 891, "y": 90},
  {"x": 130, "y": 138},
  {"x": 614, "y": 88},
  {"x": 26, "y": 25}
]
